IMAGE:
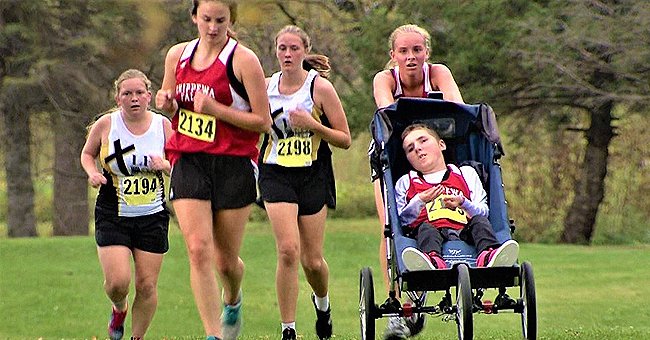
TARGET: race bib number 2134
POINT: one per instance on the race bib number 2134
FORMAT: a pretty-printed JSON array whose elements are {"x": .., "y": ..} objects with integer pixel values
[{"x": 196, "y": 125}]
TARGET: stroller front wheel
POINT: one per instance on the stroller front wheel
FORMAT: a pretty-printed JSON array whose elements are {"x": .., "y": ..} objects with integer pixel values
[
  {"x": 367, "y": 304},
  {"x": 464, "y": 304}
]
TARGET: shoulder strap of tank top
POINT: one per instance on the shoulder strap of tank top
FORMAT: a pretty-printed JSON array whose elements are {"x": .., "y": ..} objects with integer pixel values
[
  {"x": 311, "y": 79},
  {"x": 397, "y": 91},
  {"x": 189, "y": 50},
  {"x": 228, "y": 53},
  {"x": 272, "y": 87},
  {"x": 426, "y": 68}
]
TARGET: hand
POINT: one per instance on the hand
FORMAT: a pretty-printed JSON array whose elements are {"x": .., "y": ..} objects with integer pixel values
[
  {"x": 453, "y": 202},
  {"x": 165, "y": 100},
  {"x": 301, "y": 119},
  {"x": 201, "y": 102},
  {"x": 96, "y": 179},
  {"x": 431, "y": 193},
  {"x": 159, "y": 163}
]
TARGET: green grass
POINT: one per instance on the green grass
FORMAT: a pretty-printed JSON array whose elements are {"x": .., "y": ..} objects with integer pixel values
[{"x": 51, "y": 288}]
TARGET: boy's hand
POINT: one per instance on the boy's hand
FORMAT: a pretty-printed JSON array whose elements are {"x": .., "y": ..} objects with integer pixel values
[
  {"x": 431, "y": 193},
  {"x": 453, "y": 202}
]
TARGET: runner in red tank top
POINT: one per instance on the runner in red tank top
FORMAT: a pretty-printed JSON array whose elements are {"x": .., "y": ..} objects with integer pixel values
[{"x": 217, "y": 122}]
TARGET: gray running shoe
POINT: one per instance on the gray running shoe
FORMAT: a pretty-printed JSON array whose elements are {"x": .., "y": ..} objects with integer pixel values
[{"x": 396, "y": 329}]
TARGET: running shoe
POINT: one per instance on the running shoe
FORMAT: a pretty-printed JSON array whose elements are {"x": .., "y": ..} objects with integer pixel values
[
  {"x": 323, "y": 321},
  {"x": 116, "y": 324},
  {"x": 231, "y": 319},
  {"x": 289, "y": 334},
  {"x": 504, "y": 256},
  {"x": 396, "y": 329}
]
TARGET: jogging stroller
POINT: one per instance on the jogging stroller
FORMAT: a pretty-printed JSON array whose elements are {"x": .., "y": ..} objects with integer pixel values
[{"x": 472, "y": 137}]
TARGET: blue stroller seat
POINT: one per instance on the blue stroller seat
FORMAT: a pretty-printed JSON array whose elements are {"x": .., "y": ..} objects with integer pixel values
[{"x": 471, "y": 135}]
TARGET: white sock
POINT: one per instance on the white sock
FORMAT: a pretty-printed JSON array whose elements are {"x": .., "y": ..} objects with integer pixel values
[
  {"x": 286, "y": 325},
  {"x": 322, "y": 303}
]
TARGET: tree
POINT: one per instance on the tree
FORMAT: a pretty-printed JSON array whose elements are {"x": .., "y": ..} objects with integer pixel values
[
  {"x": 591, "y": 56},
  {"x": 19, "y": 97}
]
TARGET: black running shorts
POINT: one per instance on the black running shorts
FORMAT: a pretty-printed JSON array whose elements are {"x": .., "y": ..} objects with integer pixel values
[
  {"x": 226, "y": 181},
  {"x": 310, "y": 187},
  {"x": 148, "y": 233}
]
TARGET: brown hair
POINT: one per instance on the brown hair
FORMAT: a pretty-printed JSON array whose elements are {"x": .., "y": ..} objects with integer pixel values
[
  {"x": 420, "y": 126},
  {"x": 232, "y": 6},
  {"x": 408, "y": 28},
  {"x": 317, "y": 62}
]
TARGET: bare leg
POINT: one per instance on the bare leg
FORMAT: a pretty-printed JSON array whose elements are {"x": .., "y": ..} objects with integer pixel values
[
  {"x": 195, "y": 220},
  {"x": 228, "y": 236},
  {"x": 379, "y": 204},
  {"x": 116, "y": 265},
  {"x": 284, "y": 219},
  {"x": 147, "y": 269},
  {"x": 312, "y": 237}
]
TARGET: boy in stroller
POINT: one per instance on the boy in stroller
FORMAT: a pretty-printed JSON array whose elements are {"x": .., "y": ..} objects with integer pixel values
[{"x": 440, "y": 202}]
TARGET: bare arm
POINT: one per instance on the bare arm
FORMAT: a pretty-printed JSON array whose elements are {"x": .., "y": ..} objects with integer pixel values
[
  {"x": 325, "y": 98},
  {"x": 248, "y": 69},
  {"x": 442, "y": 78},
  {"x": 165, "y": 97},
  {"x": 382, "y": 88},
  {"x": 91, "y": 149},
  {"x": 158, "y": 162}
]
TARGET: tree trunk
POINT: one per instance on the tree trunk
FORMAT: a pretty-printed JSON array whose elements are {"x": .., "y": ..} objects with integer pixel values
[
  {"x": 590, "y": 186},
  {"x": 21, "y": 220},
  {"x": 70, "y": 184}
]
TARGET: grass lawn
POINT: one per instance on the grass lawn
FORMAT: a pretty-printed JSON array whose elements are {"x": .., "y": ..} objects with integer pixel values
[{"x": 51, "y": 288}]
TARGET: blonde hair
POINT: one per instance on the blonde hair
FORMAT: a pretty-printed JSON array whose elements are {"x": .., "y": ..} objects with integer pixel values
[
  {"x": 408, "y": 28},
  {"x": 317, "y": 62},
  {"x": 126, "y": 75},
  {"x": 131, "y": 74},
  {"x": 232, "y": 6}
]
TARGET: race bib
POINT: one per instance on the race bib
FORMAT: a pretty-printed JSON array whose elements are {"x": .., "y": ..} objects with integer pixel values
[
  {"x": 139, "y": 189},
  {"x": 294, "y": 151},
  {"x": 196, "y": 125},
  {"x": 436, "y": 211}
]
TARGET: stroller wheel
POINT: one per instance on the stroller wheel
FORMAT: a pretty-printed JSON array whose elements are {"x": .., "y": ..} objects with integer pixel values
[
  {"x": 367, "y": 304},
  {"x": 529, "y": 301},
  {"x": 464, "y": 304}
]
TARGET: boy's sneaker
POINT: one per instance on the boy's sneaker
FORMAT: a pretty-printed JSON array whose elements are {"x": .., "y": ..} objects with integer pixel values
[
  {"x": 289, "y": 334},
  {"x": 323, "y": 321},
  {"x": 116, "y": 324},
  {"x": 504, "y": 256},
  {"x": 415, "y": 260},
  {"x": 231, "y": 319},
  {"x": 396, "y": 329}
]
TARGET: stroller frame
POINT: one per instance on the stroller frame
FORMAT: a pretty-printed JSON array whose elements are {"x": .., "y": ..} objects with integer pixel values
[{"x": 471, "y": 134}]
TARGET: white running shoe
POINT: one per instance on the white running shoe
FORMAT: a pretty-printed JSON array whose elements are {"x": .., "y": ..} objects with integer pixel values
[
  {"x": 415, "y": 260},
  {"x": 504, "y": 256}
]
